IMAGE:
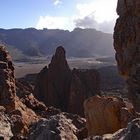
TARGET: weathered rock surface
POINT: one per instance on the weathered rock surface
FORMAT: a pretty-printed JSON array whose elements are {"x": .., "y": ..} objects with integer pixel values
[
  {"x": 25, "y": 94},
  {"x": 20, "y": 115},
  {"x": 7, "y": 80},
  {"x": 5, "y": 126},
  {"x": 61, "y": 87},
  {"x": 127, "y": 46},
  {"x": 53, "y": 83},
  {"x": 132, "y": 132},
  {"x": 107, "y": 114},
  {"x": 58, "y": 127},
  {"x": 84, "y": 84},
  {"x": 23, "y": 109}
]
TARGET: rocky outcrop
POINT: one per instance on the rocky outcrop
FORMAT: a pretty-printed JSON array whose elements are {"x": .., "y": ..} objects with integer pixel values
[
  {"x": 20, "y": 104},
  {"x": 5, "y": 126},
  {"x": 25, "y": 94},
  {"x": 21, "y": 109},
  {"x": 52, "y": 84},
  {"x": 58, "y": 127},
  {"x": 107, "y": 114},
  {"x": 127, "y": 46},
  {"x": 84, "y": 84},
  {"x": 131, "y": 132},
  {"x": 7, "y": 80},
  {"x": 61, "y": 87}
]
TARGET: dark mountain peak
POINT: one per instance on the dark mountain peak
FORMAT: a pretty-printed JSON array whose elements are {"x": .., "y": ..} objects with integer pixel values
[
  {"x": 60, "y": 52},
  {"x": 59, "y": 60}
]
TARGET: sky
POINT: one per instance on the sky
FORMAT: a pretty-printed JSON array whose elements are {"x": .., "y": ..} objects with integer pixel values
[{"x": 58, "y": 14}]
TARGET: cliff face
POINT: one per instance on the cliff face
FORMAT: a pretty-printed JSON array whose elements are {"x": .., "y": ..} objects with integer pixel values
[
  {"x": 7, "y": 80},
  {"x": 127, "y": 46}
]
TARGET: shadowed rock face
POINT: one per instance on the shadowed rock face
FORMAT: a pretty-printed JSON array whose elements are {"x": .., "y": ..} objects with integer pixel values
[
  {"x": 60, "y": 87},
  {"x": 52, "y": 83},
  {"x": 7, "y": 80},
  {"x": 84, "y": 84},
  {"x": 127, "y": 46}
]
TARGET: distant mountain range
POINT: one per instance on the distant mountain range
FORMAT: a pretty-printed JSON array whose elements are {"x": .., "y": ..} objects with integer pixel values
[{"x": 78, "y": 43}]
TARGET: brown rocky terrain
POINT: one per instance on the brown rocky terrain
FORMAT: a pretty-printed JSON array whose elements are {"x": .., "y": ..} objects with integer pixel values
[
  {"x": 7, "y": 80},
  {"x": 126, "y": 43},
  {"x": 5, "y": 126},
  {"x": 58, "y": 127},
  {"x": 61, "y": 87},
  {"x": 23, "y": 116},
  {"x": 107, "y": 114},
  {"x": 28, "y": 116},
  {"x": 131, "y": 132},
  {"x": 127, "y": 46}
]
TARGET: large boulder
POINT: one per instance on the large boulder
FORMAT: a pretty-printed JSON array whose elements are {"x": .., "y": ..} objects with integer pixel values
[
  {"x": 127, "y": 46},
  {"x": 131, "y": 132},
  {"x": 107, "y": 114},
  {"x": 7, "y": 80}
]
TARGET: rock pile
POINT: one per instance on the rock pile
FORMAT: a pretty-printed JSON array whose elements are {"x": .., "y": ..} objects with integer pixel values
[{"x": 58, "y": 127}]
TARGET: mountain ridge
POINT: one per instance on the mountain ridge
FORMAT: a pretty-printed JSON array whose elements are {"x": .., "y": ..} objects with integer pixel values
[{"x": 78, "y": 43}]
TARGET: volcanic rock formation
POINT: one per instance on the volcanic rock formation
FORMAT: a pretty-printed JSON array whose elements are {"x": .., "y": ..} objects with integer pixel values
[
  {"x": 127, "y": 46},
  {"x": 60, "y": 87},
  {"x": 20, "y": 111},
  {"x": 107, "y": 114},
  {"x": 84, "y": 84},
  {"x": 52, "y": 84},
  {"x": 20, "y": 115},
  {"x": 7, "y": 80}
]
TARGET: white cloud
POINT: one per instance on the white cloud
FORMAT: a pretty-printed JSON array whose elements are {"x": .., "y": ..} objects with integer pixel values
[
  {"x": 98, "y": 14},
  {"x": 57, "y": 2},
  {"x": 101, "y": 9},
  {"x": 51, "y": 22}
]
